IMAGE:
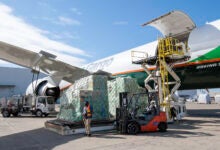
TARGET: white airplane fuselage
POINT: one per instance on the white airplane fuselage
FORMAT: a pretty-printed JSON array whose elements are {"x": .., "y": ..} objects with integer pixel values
[{"x": 202, "y": 70}]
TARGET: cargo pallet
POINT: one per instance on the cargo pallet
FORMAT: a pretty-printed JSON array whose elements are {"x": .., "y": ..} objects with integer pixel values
[{"x": 63, "y": 127}]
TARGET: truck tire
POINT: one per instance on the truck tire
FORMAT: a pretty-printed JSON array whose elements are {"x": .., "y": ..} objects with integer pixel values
[
  {"x": 133, "y": 128},
  {"x": 15, "y": 114},
  {"x": 39, "y": 113},
  {"x": 162, "y": 126},
  {"x": 5, "y": 113},
  {"x": 45, "y": 114}
]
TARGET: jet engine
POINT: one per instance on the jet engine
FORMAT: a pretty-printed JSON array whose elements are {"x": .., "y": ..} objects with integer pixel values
[{"x": 43, "y": 87}]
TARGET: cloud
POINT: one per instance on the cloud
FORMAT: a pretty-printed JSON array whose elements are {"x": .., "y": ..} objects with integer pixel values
[
  {"x": 16, "y": 31},
  {"x": 67, "y": 21},
  {"x": 120, "y": 23},
  {"x": 76, "y": 11},
  {"x": 67, "y": 35},
  {"x": 46, "y": 6},
  {"x": 60, "y": 20}
]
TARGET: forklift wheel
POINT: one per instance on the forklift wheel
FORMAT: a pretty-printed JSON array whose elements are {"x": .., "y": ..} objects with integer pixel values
[
  {"x": 162, "y": 126},
  {"x": 5, "y": 114},
  {"x": 132, "y": 128},
  {"x": 39, "y": 113}
]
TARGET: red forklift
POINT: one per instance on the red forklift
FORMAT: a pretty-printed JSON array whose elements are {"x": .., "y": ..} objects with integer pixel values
[{"x": 128, "y": 121}]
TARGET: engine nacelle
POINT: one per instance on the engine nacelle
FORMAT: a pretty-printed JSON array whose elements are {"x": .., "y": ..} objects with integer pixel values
[{"x": 43, "y": 87}]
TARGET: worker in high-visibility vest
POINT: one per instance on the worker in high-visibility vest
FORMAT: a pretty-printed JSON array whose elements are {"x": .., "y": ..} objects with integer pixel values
[{"x": 87, "y": 116}]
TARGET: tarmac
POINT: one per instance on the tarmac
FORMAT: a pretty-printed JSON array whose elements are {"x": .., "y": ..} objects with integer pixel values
[{"x": 200, "y": 130}]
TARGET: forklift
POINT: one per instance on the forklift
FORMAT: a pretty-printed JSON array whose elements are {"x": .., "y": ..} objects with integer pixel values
[{"x": 128, "y": 121}]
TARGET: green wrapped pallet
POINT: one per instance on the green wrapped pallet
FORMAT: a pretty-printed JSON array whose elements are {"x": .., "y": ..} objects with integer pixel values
[
  {"x": 124, "y": 84},
  {"x": 103, "y": 95},
  {"x": 93, "y": 89}
]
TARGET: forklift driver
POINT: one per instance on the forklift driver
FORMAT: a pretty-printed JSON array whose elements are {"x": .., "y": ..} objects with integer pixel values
[{"x": 151, "y": 110}]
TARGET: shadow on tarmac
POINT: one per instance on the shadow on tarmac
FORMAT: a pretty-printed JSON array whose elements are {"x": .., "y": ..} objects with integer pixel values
[
  {"x": 41, "y": 139},
  {"x": 112, "y": 134},
  {"x": 38, "y": 139}
]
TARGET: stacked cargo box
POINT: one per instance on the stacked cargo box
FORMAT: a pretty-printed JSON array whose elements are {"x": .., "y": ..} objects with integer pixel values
[
  {"x": 93, "y": 89},
  {"x": 103, "y": 95},
  {"x": 129, "y": 85}
]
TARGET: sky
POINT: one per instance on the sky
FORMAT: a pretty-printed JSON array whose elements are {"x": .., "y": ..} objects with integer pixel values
[{"x": 80, "y": 31}]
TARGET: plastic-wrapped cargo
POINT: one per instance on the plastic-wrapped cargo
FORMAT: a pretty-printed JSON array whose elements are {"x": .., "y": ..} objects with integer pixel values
[
  {"x": 125, "y": 84},
  {"x": 102, "y": 95},
  {"x": 93, "y": 89}
]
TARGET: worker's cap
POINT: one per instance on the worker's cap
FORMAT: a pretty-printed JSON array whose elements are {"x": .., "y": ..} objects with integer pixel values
[{"x": 86, "y": 102}]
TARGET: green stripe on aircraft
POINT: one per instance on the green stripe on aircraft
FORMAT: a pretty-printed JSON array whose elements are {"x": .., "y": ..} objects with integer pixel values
[{"x": 213, "y": 54}]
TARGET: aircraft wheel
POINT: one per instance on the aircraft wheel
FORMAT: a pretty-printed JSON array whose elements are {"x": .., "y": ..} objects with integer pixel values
[
  {"x": 6, "y": 113},
  {"x": 39, "y": 113},
  {"x": 132, "y": 128},
  {"x": 162, "y": 126}
]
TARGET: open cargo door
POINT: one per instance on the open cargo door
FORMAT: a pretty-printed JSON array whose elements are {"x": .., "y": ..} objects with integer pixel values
[{"x": 173, "y": 24}]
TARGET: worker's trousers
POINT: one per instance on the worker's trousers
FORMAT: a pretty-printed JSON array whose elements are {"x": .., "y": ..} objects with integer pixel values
[{"x": 87, "y": 123}]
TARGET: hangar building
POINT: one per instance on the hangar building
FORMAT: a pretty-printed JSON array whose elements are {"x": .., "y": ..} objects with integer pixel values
[{"x": 14, "y": 81}]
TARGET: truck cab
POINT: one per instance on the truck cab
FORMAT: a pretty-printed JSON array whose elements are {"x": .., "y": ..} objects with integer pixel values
[{"x": 43, "y": 105}]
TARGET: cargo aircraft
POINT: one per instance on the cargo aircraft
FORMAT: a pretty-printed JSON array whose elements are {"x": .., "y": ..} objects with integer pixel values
[{"x": 201, "y": 70}]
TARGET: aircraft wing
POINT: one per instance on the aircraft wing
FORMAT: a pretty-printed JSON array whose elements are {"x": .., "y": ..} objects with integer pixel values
[{"x": 42, "y": 61}]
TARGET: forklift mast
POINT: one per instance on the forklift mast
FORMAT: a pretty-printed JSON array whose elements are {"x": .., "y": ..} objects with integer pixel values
[{"x": 122, "y": 113}]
